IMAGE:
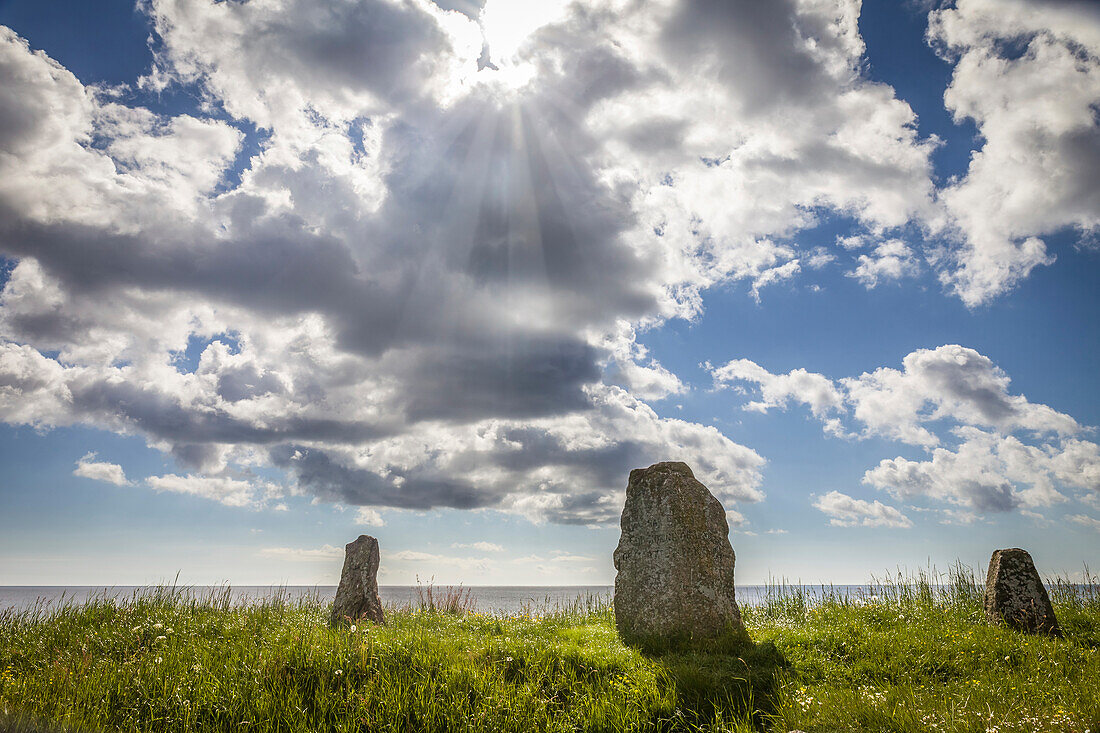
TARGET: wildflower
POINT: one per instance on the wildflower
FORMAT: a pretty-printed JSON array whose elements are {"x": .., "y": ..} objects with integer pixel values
[
  {"x": 353, "y": 628},
  {"x": 135, "y": 630},
  {"x": 158, "y": 626},
  {"x": 160, "y": 659},
  {"x": 339, "y": 672},
  {"x": 168, "y": 631},
  {"x": 160, "y": 638}
]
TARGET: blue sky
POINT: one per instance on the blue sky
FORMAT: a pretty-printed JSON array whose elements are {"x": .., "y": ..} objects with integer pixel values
[{"x": 275, "y": 276}]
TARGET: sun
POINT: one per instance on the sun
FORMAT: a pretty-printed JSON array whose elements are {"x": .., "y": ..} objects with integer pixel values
[{"x": 506, "y": 24}]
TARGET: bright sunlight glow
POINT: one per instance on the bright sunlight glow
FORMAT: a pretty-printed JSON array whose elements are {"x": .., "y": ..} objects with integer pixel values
[{"x": 506, "y": 24}]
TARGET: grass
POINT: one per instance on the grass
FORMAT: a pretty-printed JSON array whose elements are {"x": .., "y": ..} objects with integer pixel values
[{"x": 906, "y": 655}]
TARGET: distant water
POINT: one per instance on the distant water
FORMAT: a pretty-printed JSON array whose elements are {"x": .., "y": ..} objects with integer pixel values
[{"x": 487, "y": 598}]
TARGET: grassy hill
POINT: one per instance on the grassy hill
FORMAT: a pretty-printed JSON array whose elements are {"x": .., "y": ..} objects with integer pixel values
[{"x": 905, "y": 656}]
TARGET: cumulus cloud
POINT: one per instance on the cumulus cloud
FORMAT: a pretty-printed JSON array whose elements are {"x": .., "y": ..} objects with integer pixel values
[
  {"x": 949, "y": 382},
  {"x": 777, "y": 390},
  {"x": 228, "y": 491},
  {"x": 89, "y": 467},
  {"x": 845, "y": 511},
  {"x": 1036, "y": 171},
  {"x": 890, "y": 260},
  {"x": 430, "y": 283},
  {"x": 629, "y": 365},
  {"x": 564, "y": 469},
  {"x": 735, "y": 518},
  {"x": 986, "y": 472},
  {"x": 368, "y": 517},
  {"x": 990, "y": 450}
]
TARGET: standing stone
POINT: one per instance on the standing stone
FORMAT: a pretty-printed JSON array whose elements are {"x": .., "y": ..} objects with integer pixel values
[
  {"x": 675, "y": 562},
  {"x": 357, "y": 597},
  {"x": 1014, "y": 594}
]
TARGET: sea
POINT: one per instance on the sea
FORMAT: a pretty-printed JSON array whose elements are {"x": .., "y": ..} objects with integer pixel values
[{"x": 494, "y": 599}]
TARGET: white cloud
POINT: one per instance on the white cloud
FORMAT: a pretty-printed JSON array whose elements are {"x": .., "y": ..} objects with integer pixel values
[
  {"x": 228, "y": 491},
  {"x": 560, "y": 562},
  {"x": 427, "y": 561},
  {"x": 772, "y": 275},
  {"x": 777, "y": 390},
  {"x": 631, "y": 367},
  {"x": 819, "y": 257},
  {"x": 428, "y": 285},
  {"x": 890, "y": 260},
  {"x": 412, "y": 556},
  {"x": 480, "y": 546},
  {"x": 324, "y": 553},
  {"x": 1036, "y": 171},
  {"x": 1005, "y": 452},
  {"x": 845, "y": 511},
  {"x": 112, "y": 473},
  {"x": 950, "y": 382},
  {"x": 987, "y": 472},
  {"x": 1085, "y": 521},
  {"x": 368, "y": 517}
]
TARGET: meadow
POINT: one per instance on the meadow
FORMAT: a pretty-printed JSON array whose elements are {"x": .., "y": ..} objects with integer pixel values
[{"x": 909, "y": 654}]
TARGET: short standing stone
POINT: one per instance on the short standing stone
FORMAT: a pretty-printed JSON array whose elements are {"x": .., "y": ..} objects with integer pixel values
[
  {"x": 357, "y": 597},
  {"x": 675, "y": 562},
  {"x": 1014, "y": 594}
]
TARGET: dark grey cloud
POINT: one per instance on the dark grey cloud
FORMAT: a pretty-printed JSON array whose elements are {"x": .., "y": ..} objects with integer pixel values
[
  {"x": 991, "y": 496},
  {"x": 973, "y": 382},
  {"x": 162, "y": 415},
  {"x": 334, "y": 49},
  {"x": 753, "y": 48},
  {"x": 247, "y": 382},
  {"x": 334, "y": 481},
  {"x": 487, "y": 378},
  {"x": 423, "y": 266}
]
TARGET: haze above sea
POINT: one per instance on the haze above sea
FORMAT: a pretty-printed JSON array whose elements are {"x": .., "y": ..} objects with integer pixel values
[{"x": 486, "y": 598}]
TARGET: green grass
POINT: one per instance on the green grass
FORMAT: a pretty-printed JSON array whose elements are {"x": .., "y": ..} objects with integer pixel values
[{"x": 910, "y": 658}]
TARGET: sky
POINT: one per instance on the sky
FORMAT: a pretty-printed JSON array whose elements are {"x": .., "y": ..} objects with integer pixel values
[{"x": 276, "y": 274}]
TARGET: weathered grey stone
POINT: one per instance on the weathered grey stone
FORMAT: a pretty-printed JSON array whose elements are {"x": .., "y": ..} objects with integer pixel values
[
  {"x": 1014, "y": 594},
  {"x": 357, "y": 597},
  {"x": 675, "y": 562}
]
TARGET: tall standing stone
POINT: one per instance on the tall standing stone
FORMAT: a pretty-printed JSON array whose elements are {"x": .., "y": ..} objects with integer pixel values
[
  {"x": 674, "y": 562},
  {"x": 1014, "y": 594},
  {"x": 357, "y": 597}
]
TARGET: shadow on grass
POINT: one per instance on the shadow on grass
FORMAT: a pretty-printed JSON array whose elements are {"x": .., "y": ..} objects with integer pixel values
[{"x": 726, "y": 679}]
